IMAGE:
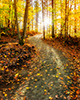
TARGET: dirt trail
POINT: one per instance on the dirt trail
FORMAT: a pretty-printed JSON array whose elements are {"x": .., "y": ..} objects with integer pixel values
[{"x": 47, "y": 77}]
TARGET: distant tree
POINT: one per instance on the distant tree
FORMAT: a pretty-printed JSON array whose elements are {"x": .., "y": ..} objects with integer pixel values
[
  {"x": 66, "y": 18},
  {"x": 32, "y": 2},
  {"x": 16, "y": 17},
  {"x": 53, "y": 18},
  {"x": 0, "y": 31},
  {"x": 25, "y": 22},
  {"x": 9, "y": 14},
  {"x": 37, "y": 11},
  {"x": 21, "y": 39},
  {"x": 75, "y": 30},
  {"x": 43, "y": 19},
  {"x": 61, "y": 16},
  {"x": 28, "y": 21}
]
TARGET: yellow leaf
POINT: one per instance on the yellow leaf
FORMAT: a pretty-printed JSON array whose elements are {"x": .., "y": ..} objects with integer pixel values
[
  {"x": 56, "y": 76},
  {"x": 35, "y": 79},
  {"x": 38, "y": 74},
  {"x": 5, "y": 95},
  {"x": 51, "y": 84},
  {"x": 27, "y": 88},
  {"x": 50, "y": 69},
  {"x": 2, "y": 68},
  {"x": 5, "y": 56},
  {"x": 45, "y": 70},
  {"x": 35, "y": 86},
  {"x": 68, "y": 77},
  {"x": 16, "y": 74},
  {"x": 26, "y": 78},
  {"x": 35, "y": 67},
  {"x": 45, "y": 90}
]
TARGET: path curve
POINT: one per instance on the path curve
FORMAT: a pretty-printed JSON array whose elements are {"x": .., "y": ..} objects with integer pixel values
[{"x": 48, "y": 77}]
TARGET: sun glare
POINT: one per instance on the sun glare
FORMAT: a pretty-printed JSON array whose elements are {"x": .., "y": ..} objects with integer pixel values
[{"x": 47, "y": 21}]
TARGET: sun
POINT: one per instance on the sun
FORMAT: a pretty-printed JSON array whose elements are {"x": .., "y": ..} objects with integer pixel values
[{"x": 47, "y": 21}]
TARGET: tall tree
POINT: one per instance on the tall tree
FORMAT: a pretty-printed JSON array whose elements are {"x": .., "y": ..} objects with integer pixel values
[
  {"x": 9, "y": 14},
  {"x": 61, "y": 16},
  {"x": 75, "y": 30},
  {"x": 66, "y": 18},
  {"x": 25, "y": 21},
  {"x": 37, "y": 10},
  {"x": 32, "y": 13},
  {"x": 53, "y": 18},
  {"x": 43, "y": 19},
  {"x": 0, "y": 31},
  {"x": 16, "y": 17}
]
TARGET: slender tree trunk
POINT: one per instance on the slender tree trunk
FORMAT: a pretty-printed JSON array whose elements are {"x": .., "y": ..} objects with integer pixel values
[
  {"x": 55, "y": 25},
  {"x": 49, "y": 19},
  {"x": 36, "y": 16},
  {"x": 66, "y": 19},
  {"x": 9, "y": 14},
  {"x": 61, "y": 17},
  {"x": 6, "y": 21},
  {"x": 28, "y": 21},
  {"x": 13, "y": 24},
  {"x": 32, "y": 20},
  {"x": 13, "y": 21},
  {"x": 36, "y": 21},
  {"x": 16, "y": 17},
  {"x": 47, "y": 13},
  {"x": 43, "y": 20},
  {"x": 0, "y": 31},
  {"x": 75, "y": 30},
  {"x": 52, "y": 19},
  {"x": 67, "y": 16},
  {"x": 25, "y": 21},
  {"x": 32, "y": 13}
]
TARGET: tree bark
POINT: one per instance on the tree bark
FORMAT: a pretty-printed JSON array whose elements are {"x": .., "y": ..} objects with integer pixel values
[
  {"x": 75, "y": 30},
  {"x": 36, "y": 5},
  {"x": 9, "y": 15},
  {"x": 0, "y": 31},
  {"x": 16, "y": 17},
  {"x": 25, "y": 21},
  {"x": 43, "y": 20},
  {"x": 66, "y": 19},
  {"x": 52, "y": 19},
  {"x": 61, "y": 17}
]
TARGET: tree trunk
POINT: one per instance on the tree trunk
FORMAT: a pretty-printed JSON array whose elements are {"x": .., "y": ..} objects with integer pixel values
[
  {"x": 55, "y": 25},
  {"x": 66, "y": 19},
  {"x": 61, "y": 17},
  {"x": 0, "y": 31},
  {"x": 9, "y": 15},
  {"x": 52, "y": 19},
  {"x": 75, "y": 30},
  {"x": 36, "y": 21},
  {"x": 32, "y": 20},
  {"x": 25, "y": 21},
  {"x": 36, "y": 5},
  {"x": 16, "y": 17},
  {"x": 43, "y": 20}
]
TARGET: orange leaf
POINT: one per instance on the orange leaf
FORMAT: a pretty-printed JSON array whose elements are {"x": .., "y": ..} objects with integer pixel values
[
  {"x": 77, "y": 92},
  {"x": 24, "y": 98}
]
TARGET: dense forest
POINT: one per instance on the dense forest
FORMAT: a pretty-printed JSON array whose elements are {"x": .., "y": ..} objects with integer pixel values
[
  {"x": 51, "y": 17},
  {"x": 39, "y": 49}
]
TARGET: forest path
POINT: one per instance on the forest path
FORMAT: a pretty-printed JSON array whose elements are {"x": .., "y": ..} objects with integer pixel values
[{"x": 47, "y": 79}]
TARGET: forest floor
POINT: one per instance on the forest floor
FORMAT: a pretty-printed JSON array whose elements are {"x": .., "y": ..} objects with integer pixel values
[{"x": 45, "y": 71}]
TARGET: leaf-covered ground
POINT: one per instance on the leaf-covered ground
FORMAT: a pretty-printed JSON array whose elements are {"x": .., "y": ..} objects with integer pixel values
[
  {"x": 51, "y": 74},
  {"x": 13, "y": 59}
]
